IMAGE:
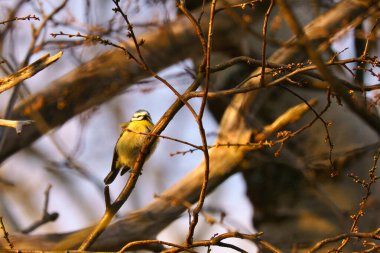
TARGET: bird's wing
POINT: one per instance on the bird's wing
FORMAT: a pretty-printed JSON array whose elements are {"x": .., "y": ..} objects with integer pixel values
[{"x": 115, "y": 168}]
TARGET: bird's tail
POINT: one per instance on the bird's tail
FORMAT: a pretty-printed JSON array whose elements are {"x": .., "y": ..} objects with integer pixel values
[
  {"x": 111, "y": 176},
  {"x": 123, "y": 170}
]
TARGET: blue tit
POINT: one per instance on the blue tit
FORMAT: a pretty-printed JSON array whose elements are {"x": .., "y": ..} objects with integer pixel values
[{"x": 129, "y": 144}]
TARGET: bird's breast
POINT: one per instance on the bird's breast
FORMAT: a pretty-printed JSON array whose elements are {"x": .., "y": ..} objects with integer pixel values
[{"x": 130, "y": 142}]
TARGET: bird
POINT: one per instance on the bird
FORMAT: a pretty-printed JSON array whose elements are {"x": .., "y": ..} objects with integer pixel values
[{"x": 129, "y": 144}]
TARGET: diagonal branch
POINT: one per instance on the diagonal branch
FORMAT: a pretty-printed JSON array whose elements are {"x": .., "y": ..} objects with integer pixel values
[{"x": 28, "y": 71}]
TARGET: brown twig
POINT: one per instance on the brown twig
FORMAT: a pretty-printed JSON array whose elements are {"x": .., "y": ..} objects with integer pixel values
[
  {"x": 46, "y": 215},
  {"x": 145, "y": 242},
  {"x": 367, "y": 185},
  {"x": 167, "y": 138},
  {"x": 176, "y": 201},
  {"x": 12, "y": 13},
  {"x": 95, "y": 39},
  {"x": 217, "y": 241},
  {"x": 202, "y": 195},
  {"x": 365, "y": 51},
  {"x": 251, "y": 145},
  {"x": 370, "y": 235},
  {"x": 326, "y": 125},
  {"x": 214, "y": 241},
  {"x": 181, "y": 6},
  {"x": 264, "y": 45},
  {"x": 286, "y": 70},
  {"x": 250, "y": 4},
  {"x": 5, "y": 233},
  {"x": 29, "y": 17}
]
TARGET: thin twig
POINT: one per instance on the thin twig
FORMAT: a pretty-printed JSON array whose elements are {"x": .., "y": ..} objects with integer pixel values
[
  {"x": 5, "y": 233},
  {"x": 167, "y": 138},
  {"x": 145, "y": 242},
  {"x": 181, "y": 6},
  {"x": 202, "y": 195},
  {"x": 264, "y": 46},
  {"x": 367, "y": 185},
  {"x": 326, "y": 126},
  {"x": 217, "y": 241},
  {"x": 370, "y": 235},
  {"x": 250, "y": 4},
  {"x": 365, "y": 51},
  {"x": 29, "y": 17},
  {"x": 293, "y": 69},
  {"x": 46, "y": 215}
]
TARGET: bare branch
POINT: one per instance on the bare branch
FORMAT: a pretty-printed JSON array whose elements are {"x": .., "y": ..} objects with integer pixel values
[
  {"x": 370, "y": 235},
  {"x": 16, "y": 124},
  {"x": 46, "y": 215},
  {"x": 29, "y": 17},
  {"x": 28, "y": 71},
  {"x": 6, "y": 235},
  {"x": 206, "y": 65},
  {"x": 264, "y": 46}
]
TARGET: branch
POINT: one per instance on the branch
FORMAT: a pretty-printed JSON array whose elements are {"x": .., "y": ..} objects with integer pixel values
[
  {"x": 28, "y": 71},
  {"x": 29, "y": 17},
  {"x": 205, "y": 67},
  {"x": 46, "y": 215},
  {"x": 264, "y": 45},
  {"x": 289, "y": 117},
  {"x": 16, "y": 124},
  {"x": 5, "y": 234},
  {"x": 370, "y": 235}
]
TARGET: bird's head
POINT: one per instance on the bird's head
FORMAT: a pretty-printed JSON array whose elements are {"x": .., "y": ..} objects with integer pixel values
[{"x": 141, "y": 115}]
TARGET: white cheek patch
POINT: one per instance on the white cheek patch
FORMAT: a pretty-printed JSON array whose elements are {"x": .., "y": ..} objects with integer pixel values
[{"x": 141, "y": 116}]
